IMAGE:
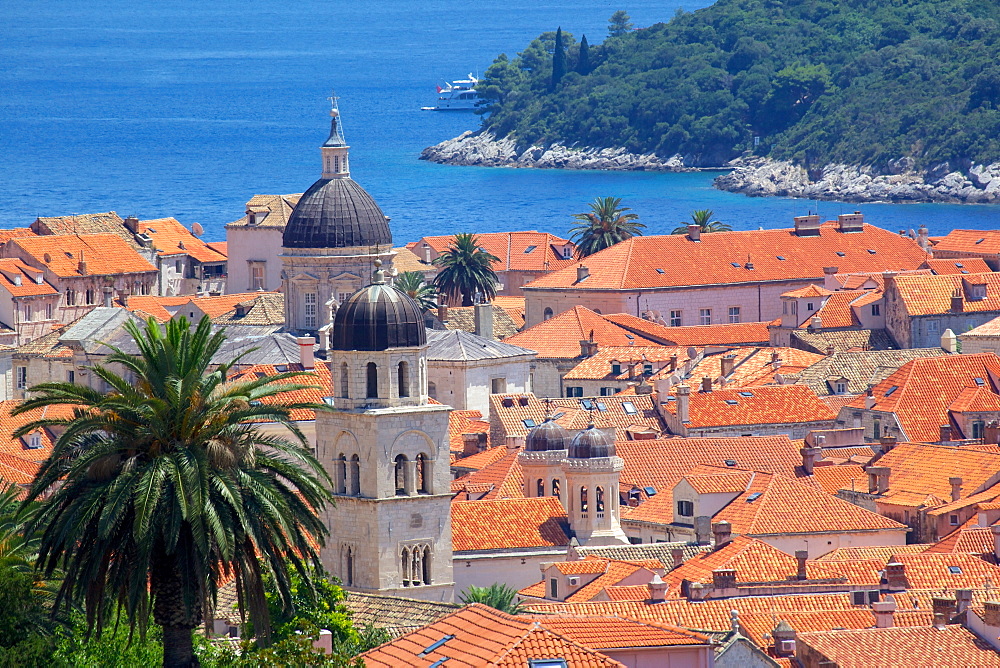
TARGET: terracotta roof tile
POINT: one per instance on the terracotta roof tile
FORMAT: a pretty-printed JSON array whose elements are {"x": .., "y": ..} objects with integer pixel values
[
  {"x": 927, "y": 295},
  {"x": 968, "y": 540},
  {"x": 8, "y": 234},
  {"x": 396, "y": 614},
  {"x": 22, "y": 447},
  {"x": 503, "y": 479},
  {"x": 514, "y": 306},
  {"x": 519, "y": 251},
  {"x": 766, "y": 404},
  {"x": 614, "y": 632},
  {"x": 810, "y": 290},
  {"x": 975, "y": 400},
  {"x": 481, "y": 460},
  {"x": 319, "y": 380},
  {"x": 171, "y": 238},
  {"x": 508, "y": 523},
  {"x": 751, "y": 366},
  {"x": 923, "y": 469},
  {"x": 271, "y": 211},
  {"x": 819, "y": 341},
  {"x": 846, "y": 476},
  {"x": 599, "y": 366},
  {"x": 964, "y": 265},
  {"x": 726, "y": 334},
  {"x": 262, "y": 309},
  {"x": 860, "y": 368},
  {"x": 924, "y": 646},
  {"x": 560, "y": 336},
  {"x": 105, "y": 254},
  {"x": 872, "y": 553},
  {"x": 463, "y": 318},
  {"x": 460, "y": 422},
  {"x": 634, "y": 263},
  {"x": 620, "y": 411},
  {"x": 87, "y": 223},
  {"x": 986, "y": 242},
  {"x": 23, "y": 280}
]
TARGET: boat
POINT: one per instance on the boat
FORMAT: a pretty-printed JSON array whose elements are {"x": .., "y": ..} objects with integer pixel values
[{"x": 458, "y": 95}]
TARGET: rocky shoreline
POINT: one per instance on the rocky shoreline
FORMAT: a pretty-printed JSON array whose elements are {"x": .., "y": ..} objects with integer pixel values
[{"x": 755, "y": 177}]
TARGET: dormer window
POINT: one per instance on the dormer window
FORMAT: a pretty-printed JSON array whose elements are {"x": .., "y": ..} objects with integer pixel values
[
  {"x": 35, "y": 441},
  {"x": 616, "y": 367}
]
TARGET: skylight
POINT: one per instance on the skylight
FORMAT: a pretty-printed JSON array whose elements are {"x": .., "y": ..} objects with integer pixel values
[
  {"x": 629, "y": 407},
  {"x": 601, "y": 406},
  {"x": 529, "y": 423},
  {"x": 529, "y": 249},
  {"x": 650, "y": 491},
  {"x": 729, "y": 462},
  {"x": 981, "y": 241},
  {"x": 780, "y": 257},
  {"x": 735, "y": 264},
  {"x": 732, "y": 402},
  {"x": 660, "y": 271},
  {"x": 872, "y": 251},
  {"x": 891, "y": 390},
  {"x": 753, "y": 497},
  {"x": 433, "y": 646},
  {"x": 979, "y": 381},
  {"x": 959, "y": 265},
  {"x": 438, "y": 663},
  {"x": 841, "y": 253},
  {"x": 547, "y": 663},
  {"x": 746, "y": 394},
  {"x": 955, "y": 570},
  {"x": 588, "y": 404}
]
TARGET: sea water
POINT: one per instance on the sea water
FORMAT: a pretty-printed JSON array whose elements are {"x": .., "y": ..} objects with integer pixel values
[{"x": 187, "y": 109}]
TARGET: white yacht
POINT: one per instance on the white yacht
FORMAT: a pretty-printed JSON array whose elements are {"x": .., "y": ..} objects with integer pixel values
[{"x": 458, "y": 95}]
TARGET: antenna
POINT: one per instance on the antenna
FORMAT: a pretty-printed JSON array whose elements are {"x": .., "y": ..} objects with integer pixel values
[{"x": 197, "y": 229}]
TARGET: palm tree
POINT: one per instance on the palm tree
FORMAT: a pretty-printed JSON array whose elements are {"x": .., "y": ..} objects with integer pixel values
[
  {"x": 467, "y": 269},
  {"x": 498, "y": 596},
  {"x": 418, "y": 289},
  {"x": 703, "y": 219},
  {"x": 163, "y": 488},
  {"x": 606, "y": 224}
]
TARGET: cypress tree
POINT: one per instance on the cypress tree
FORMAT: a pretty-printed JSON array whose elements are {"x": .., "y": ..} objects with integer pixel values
[
  {"x": 583, "y": 62},
  {"x": 558, "y": 60}
]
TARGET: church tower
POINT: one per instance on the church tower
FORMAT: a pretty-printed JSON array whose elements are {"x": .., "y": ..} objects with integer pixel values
[
  {"x": 545, "y": 446},
  {"x": 592, "y": 471},
  {"x": 386, "y": 449},
  {"x": 333, "y": 236}
]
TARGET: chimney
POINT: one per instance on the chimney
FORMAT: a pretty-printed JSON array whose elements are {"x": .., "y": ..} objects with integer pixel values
[
  {"x": 728, "y": 363},
  {"x": 109, "y": 293},
  {"x": 784, "y": 639},
  {"x": 809, "y": 456},
  {"x": 696, "y": 592},
  {"x": 851, "y": 222},
  {"x": 582, "y": 272},
  {"x": 949, "y": 342},
  {"x": 683, "y": 403},
  {"x": 672, "y": 363},
  {"x": 895, "y": 575},
  {"x": 82, "y": 266},
  {"x": 991, "y": 613},
  {"x": 694, "y": 232},
  {"x": 706, "y": 384},
  {"x": 991, "y": 434},
  {"x": 588, "y": 348},
  {"x": 944, "y": 607},
  {"x": 775, "y": 358},
  {"x": 643, "y": 387},
  {"x": 132, "y": 224},
  {"x": 956, "y": 488},
  {"x": 939, "y": 621},
  {"x": 470, "y": 444},
  {"x": 878, "y": 479},
  {"x": 800, "y": 562},
  {"x": 884, "y": 611},
  {"x": 306, "y": 352},
  {"x": 724, "y": 578},
  {"x": 945, "y": 433},
  {"x": 484, "y": 320},
  {"x": 869, "y": 400},
  {"x": 957, "y": 300},
  {"x": 995, "y": 530},
  {"x": 442, "y": 311},
  {"x": 657, "y": 589},
  {"x": 703, "y": 529},
  {"x": 922, "y": 239},
  {"x": 723, "y": 533},
  {"x": 830, "y": 271},
  {"x": 963, "y": 600},
  {"x": 887, "y": 443},
  {"x": 677, "y": 554},
  {"x": 807, "y": 226},
  {"x": 815, "y": 323},
  {"x": 831, "y": 349}
]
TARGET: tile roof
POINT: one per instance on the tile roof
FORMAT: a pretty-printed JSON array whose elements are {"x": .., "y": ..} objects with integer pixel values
[
  {"x": 926, "y": 387},
  {"x": 19, "y": 447},
  {"x": 262, "y": 309},
  {"x": 406, "y": 260},
  {"x": 725, "y": 334},
  {"x": 965, "y": 265},
  {"x": 924, "y": 646},
  {"x": 620, "y": 411},
  {"x": 560, "y": 335},
  {"x": 87, "y": 223},
  {"x": 396, "y": 614},
  {"x": 22, "y": 280},
  {"x": 924, "y": 469},
  {"x": 609, "y": 572},
  {"x": 105, "y": 254},
  {"x": 464, "y": 422},
  {"x": 975, "y": 400},
  {"x": 720, "y": 258},
  {"x": 846, "y": 476},
  {"x": 616, "y": 633},
  {"x": 986, "y": 242},
  {"x": 860, "y": 368},
  {"x": 766, "y": 404},
  {"x": 503, "y": 479},
  {"x": 463, "y": 318},
  {"x": 642, "y": 551},
  {"x": 838, "y": 309},
  {"x": 928, "y": 295},
  {"x": 520, "y": 251},
  {"x": 514, "y": 306},
  {"x": 8, "y": 234},
  {"x": 968, "y": 540},
  {"x": 481, "y": 460},
  {"x": 842, "y": 340},
  {"x": 271, "y": 211},
  {"x": 161, "y": 308},
  {"x": 478, "y": 636},
  {"x": 810, "y": 290},
  {"x": 508, "y": 523},
  {"x": 598, "y": 366},
  {"x": 991, "y": 328},
  {"x": 751, "y": 366},
  {"x": 463, "y": 346},
  {"x": 221, "y": 247},
  {"x": 318, "y": 385},
  {"x": 16, "y": 470},
  {"x": 872, "y": 552},
  {"x": 171, "y": 238}
]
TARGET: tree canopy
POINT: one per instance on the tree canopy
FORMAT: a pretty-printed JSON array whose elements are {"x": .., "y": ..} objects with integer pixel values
[
  {"x": 813, "y": 81},
  {"x": 606, "y": 224}
]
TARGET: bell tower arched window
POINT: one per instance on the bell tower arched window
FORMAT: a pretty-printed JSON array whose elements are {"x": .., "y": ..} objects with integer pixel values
[
  {"x": 345, "y": 387},
  {"x": 341, "y": 474},
  {"x": 372, "y": 381},
  {"x": 583, "y": 500},
  {"x": 540, "y": 487},
  {"x": 355, "y": 476},
  {"x": 405, "y": 559},
  {"x": 547, "y": 313},
  {"x": 599, "y": 498},
  {"x": 427, "y": 565},
  {"x": 400, "y": 475},
  {"x": 423, "y": 473},
  {"x": 403, "y": 379},
  {"x": 555, "y": 487}
]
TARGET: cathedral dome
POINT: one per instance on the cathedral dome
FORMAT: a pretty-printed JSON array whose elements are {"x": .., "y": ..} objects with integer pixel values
[
  {"x": 547, "y": 436},
  {"x": 336, "y": 213},
  {"x": 592, "y": 442},
  {"x": 378, "y": 317}
]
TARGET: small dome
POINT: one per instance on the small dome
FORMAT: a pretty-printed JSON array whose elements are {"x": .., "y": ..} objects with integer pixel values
[
  {"x": 378, "y": 317},
  {"x": 336, "y": 213},
  {"x": 592, "y": 442},
  {"x": 547, "y": 436}
]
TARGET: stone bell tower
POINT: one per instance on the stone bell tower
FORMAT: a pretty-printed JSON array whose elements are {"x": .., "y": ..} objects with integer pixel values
[
  {"x": 386, "y": 449},
  {"x": 592, "y": 471}
]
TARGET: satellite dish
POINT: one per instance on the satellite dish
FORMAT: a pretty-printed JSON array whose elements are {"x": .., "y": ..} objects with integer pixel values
[{"x": 197, "y": 229}]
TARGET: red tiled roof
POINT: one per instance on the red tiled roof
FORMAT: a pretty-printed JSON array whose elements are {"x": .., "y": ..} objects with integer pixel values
[
  {"x": 766, "y": 404},
  {"x": 560, "y": 335},
  {"x": 520, "y": 251},
  {"x": 461, "y": 422},
  {"x": 616, "y": 633},
  {"x": 964, "y": 265},
  {"x": 508, "y": 523},
  {"x": 12, "y": 233},
  {"x": 156, "y": 306},
  {"x": 924, "y": 646},
  {"x": 924, "y": 469},
  {"x": 17, "y": 471},
  {"x": 751, "y": 366},
  {"x": 810, "y": 290},
  {"x": 720, "y": 258},
  {"x": 14, "y": 271},
  {"x": 19, "y": 447},
  {"x": 314, "y": 393},
  {"x": 598, "y": 366},
  {"x": 104, "y": 254},
  {"x": 726, "y": 334},
  {"x": 171, "y": 238},
  {"x": 621, "y": 411},
  {"x": 503, "y": 479},
  {"x": 986, "y": 242},
  {"x": 927, "y": 295}
]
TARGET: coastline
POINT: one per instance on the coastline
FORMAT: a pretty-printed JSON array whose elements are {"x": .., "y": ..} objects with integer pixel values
[{"x": 754, "y": 177}]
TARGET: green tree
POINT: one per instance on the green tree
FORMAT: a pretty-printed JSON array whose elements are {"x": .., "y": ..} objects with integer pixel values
[
  {"x": 606, "y": 224},
  {"x": 558, "y": 60},
  {"x": 414, "y": 285},
  {"x": 163, "y": 486},
  {"x": 583, "y": 60},
  {"x": 498, "y": 596},
  {"x": 466, "y": 270},
  {"x": 703, "y": 219},
  {"x": 619, "y": 24}
]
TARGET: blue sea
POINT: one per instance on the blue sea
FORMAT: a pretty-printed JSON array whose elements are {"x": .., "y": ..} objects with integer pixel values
[{"x": 187, "y": 109}]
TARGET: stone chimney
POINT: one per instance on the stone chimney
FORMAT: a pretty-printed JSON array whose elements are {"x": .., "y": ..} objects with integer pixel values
[
  {"x": 442, "y": 311},
  {"x": 657, "y": 589},
  {"x": 963, "y": 600},
  {"x": 878, "y": 479},
  {"x": 995, "y": 530},
  {"x": 887, "y": 443},
  {"x": 991, "y": 613},
  {"x": 706, "y": 384},
  {"x": 722, "y": 531},
  {"x": 728, "y": 363},
  {"x": 801, "y": 556},
  {"x": 132, "y": 224},
  {"x": 784, "y": 639},
  {"x": 956, "y": 487},
  {"x": 643, "y": 387},
  {"x": 851, "y": 222},
  {"x": 696, "y": 592},
  {"x": 677, "y": 554},
  {"x": 949, "y": 342},
  {"x": 483, "y": 317},
  {"x": 724, "y": 578},
  {"x": 830, "y": 271},
  {"x": 109, "y": 296},
  {"x": 816, "y": 323},
  {"x": 672, "y": 363},
  {"x": 588, "y": 348},
  {"x": 582, "y": 272},
  {"x": 694, "y": 232},
  {"x": 703, "y": 529},
  {"x": 943, "y": 606},
  {"x": 809, "y": 456},
  {"x": 472, "y": 444},
  {"x": 82, "y": 266},
  {"x": 957, "y": 301},
  {"x": 884, "y": 612},
  {"x": 895, "y": 575},
  {"x": 939, "y": 621},
  {"x": 991, "y": 434},
  {"x": 945, "y": 433},
  {"x": 807, "y": 226},
  {"x": 684, "y": 403},
  {"x": 306, "y": 352}
]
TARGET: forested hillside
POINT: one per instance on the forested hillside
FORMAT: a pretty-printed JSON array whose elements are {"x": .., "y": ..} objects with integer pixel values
[{"x": 818, "y": 81}]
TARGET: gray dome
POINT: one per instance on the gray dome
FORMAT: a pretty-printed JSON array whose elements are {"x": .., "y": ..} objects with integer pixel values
[
  {"x": 336, "y": 213},
  {"x": 378, "y": 317},
  {"x": 591, "y": 442},
  {"x": 547, "y": 436}
]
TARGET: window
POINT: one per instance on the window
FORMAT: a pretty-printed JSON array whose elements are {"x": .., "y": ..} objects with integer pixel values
[
  {"x": 344, "y": 381},
  {"x": 555, "y": 487},
  {"x": 48, "y": 311},
  {"x": 547, "y": 313},
  {"x": 609, "y": 391},
  {"x": 647, "y": 369},
  {"x": 432, "y": 390},
  {"x": 584, "y": 505},
  {"x": 705, "y": 316},
  {"x": 423, "y": 474},
  {"x": 403, "y": 379},
  {"x": 978, "y": 428},
  {"x": 89, "y": 297},
  {"x": 309, "y": 300},
  {"x": 685, "y": 508},
  {"x": 876, "y": 309},
  {"x": 354, "y": 488},
  {"x": 876, "y": 428},
  {"x": 22, "y": 377},
  {"x": 932, "y": 326},
  {"x": 675, "y": 318},
  {"x": 400, "y": 474},
  {"x": 841, "y": 388},
  {"x": 553, "y": 588},
  {"x": 635, "y": 540},
  {"x": 955, "y": 570},
  {"x": 540, "y": 487},
  {"x": 734, "y": 314},
  {"x": 529, "y": 249},
  {"x": 340, "y": 474},
  {"x": 349, "y": 569},
  {"x": 343, "y": 296},
  {"x": 498, "y": 385},
  {"x": 70, "y": 298},
  {"x": 35, "y": 441},
  {"x": 372, "y": 392},
  {"x": 567, "y": 252},
  {"x": 71, "y": 376},
  {"x": 599, "y": 499},
  {"x": 616, "y": 367},
  {"x": 574, "y": 391},
  {"x": 26, "y": 309},
  {"x": 953, "y": 520},
  {"x": 177, "y": 266}
]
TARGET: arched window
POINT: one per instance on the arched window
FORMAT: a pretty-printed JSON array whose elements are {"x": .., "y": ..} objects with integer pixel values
[
  {"x": 599, "y": 494},
  {"x": 372, "y": 381},
  {"x": 349, "y": 566},
  {"x": 336, "y": 163},
  {"x": 423, "y": 473},
  {"x": 555, "y": 487},
  {"x": 583, "y": 499},
  {"x": 404, "y": 566},
  {"x": 403, "y": 378},
  {"x": 540, "y": 486},
  {"x": 547, "y": 313},
  {"x": 432, "y": 390},
  {"x": 341, "y": 474},
  {"x": 355, "y": 488},
  {"x": 344, "y": 382},
  {"x": 400, "y": 475},
  {"x": 427, "y": 565}
]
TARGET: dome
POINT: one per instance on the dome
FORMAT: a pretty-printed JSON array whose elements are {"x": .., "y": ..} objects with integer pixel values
[
  {"x": 336, "y": 213},
  {"x": 547, "y": 436},
  {"x": 592, "y": 442},
  {"x": 378, "y": 317}
]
